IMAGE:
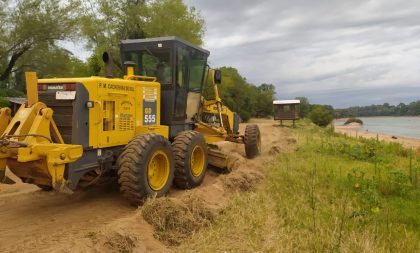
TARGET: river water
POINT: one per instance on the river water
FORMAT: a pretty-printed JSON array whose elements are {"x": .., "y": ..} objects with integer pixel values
[{"x": 402, "y": 126}]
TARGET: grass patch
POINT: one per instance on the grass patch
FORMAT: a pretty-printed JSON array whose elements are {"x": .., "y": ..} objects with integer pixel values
[{"x": 334, "y": 194}]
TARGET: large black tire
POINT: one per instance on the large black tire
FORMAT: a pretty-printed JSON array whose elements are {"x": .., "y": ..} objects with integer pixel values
[
  {"x": 134, "y": 165},
  {"x": 252, "y": 141},
  {"x": 190, "y": 169}
]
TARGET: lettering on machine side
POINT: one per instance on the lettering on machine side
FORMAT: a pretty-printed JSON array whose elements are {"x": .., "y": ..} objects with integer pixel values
[{"x": 116, "y": 87}]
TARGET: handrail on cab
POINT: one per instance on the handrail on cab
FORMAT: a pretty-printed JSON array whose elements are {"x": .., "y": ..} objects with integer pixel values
[{"x": 143, "y": 78}]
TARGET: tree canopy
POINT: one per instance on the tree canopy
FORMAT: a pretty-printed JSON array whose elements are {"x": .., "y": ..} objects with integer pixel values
[
  {"x": 33, "y": 31},
  {"x": 242, "y": 97},
  {"x": 32, "y": 26},
  {"x": 105, "y": 23}
]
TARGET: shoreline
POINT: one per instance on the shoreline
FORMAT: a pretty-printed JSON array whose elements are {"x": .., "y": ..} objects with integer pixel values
[{"x": 354, "y": 130}]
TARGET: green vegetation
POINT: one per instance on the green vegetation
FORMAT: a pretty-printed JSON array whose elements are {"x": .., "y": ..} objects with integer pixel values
[
  {"x": 320, "y": 116},
  {"x": 3, "y": 102},
  {"x": 242, "y": 97},
  {"x": 353, "y": 120},
  {"x": 411, "y": 109},
  {"x": 109, "y": 22},
  {"x": 33, "y": 30},
  {"x": 333, "y": 194},
  {"x": 306, "y": 107}
]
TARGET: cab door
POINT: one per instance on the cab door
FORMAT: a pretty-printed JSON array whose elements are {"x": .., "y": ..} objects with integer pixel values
[{"x": 181, "y": 83}]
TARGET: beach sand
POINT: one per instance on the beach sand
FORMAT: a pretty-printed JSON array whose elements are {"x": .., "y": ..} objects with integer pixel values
[{"x": 355, "y": 130}]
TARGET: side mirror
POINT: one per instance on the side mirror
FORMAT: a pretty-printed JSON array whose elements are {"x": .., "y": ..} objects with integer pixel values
[{"x": 217, "y": 76}]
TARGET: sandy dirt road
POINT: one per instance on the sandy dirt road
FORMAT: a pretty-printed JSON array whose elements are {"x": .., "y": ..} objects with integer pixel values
[{"x": 32, "y": 220}]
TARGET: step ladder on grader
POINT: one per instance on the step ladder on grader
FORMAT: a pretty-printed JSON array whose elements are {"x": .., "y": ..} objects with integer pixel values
[{"x": 150, "y": 129}]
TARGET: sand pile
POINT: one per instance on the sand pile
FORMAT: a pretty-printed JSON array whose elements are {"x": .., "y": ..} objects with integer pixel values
[{"x": 112, "y": 242}]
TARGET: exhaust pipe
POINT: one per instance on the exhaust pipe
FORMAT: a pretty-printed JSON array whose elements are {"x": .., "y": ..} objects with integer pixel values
[{"x": 109, "y": 65}]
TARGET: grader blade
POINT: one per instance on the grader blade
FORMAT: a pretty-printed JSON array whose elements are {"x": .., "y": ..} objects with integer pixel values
[
  {"x": 5, "y": 179},
  {"x": 32, "y": 147},
  {"x": 220, "y": 159},
  {"x": 217, "y": 158}
]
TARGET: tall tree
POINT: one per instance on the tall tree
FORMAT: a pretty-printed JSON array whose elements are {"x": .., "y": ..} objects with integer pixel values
[
  {"x": 265, "y": 96},
  {"x": 173, "y": 17},
  {"x": 107, "y": 22},
  {"x": 304, "y": 107},
  {"x": 27, "y": 24},
  {"x": 49, "y": 61},
  {"x": 237, "y": 94}
]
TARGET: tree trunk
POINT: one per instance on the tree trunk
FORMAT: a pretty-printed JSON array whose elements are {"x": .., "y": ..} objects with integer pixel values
[{"x": 15, "y": 56}]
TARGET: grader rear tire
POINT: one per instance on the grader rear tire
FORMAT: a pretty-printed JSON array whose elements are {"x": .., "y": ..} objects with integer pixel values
[
  {"x": 191, "y": 159},
  {"x": 145, "y": 168},
  {"x": 252, "y": 141}
]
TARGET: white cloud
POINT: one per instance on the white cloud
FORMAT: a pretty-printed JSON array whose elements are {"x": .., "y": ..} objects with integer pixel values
[{"x": 316, "y": 48}]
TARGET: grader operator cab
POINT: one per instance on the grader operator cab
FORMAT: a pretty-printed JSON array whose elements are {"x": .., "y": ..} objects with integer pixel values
[{"x": 150, "y": 128}]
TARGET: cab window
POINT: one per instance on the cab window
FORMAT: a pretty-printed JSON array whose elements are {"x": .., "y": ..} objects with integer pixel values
[{"x": 156, "y": 63}]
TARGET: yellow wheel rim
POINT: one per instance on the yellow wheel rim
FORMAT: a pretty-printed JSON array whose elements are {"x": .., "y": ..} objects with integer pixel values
[
  {"x": 158, "y": 170},
  {"x": 197, "y": 161}
]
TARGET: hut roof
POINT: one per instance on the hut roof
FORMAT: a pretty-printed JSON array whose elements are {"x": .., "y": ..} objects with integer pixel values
[
  {"x": 17, "y": 100},
  {"x": 286, "y": 102}
]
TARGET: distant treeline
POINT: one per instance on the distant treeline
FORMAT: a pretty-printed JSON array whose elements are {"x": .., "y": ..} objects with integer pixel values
[{"x": 412, "y": 109}]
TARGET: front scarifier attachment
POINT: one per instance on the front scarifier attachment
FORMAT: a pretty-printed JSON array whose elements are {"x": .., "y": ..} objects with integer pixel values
[{"x": 31, "y": 146}]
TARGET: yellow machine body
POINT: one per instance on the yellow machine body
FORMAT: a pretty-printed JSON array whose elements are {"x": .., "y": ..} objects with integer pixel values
[
  {"x": 117, "y": 112},
  {"x": 119, "y": 109},
  {"x": 5, "y": 116},
  {"x": 74, "y": 131},
  {"x": 223, "y": 130}
]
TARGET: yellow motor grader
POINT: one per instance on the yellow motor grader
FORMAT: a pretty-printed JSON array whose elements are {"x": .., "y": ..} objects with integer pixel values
[{"x": 150, "y": 128}]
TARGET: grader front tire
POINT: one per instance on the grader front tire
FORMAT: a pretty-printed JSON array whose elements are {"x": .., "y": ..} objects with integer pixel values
[
  {"x": 252, "y": 141},
  {"x": 191, "y": 159},
  {"x": 145, "y": 168}
]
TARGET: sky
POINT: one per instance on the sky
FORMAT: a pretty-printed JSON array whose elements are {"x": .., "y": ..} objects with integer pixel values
[
  {"x": 338, "y": 52},
  {"x": 341, "y": 52}
]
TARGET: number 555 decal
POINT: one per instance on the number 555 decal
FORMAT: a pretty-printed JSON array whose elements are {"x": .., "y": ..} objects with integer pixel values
[
  {"x": 150, "y": 118},
  {"x": 149, "y": 113}
]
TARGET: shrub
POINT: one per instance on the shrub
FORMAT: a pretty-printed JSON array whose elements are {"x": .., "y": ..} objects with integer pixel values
[
  {"x": 355, "y": 120},
  {"x": 11, "y": 93},
  {"x": 321, "y": 116}
]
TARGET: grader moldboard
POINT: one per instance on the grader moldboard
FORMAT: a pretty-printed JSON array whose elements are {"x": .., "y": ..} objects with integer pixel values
[{"x": 150, "y": 129}]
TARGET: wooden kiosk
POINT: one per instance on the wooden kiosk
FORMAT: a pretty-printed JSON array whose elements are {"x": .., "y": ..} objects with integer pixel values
[{"x": 286, "y": 110}]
